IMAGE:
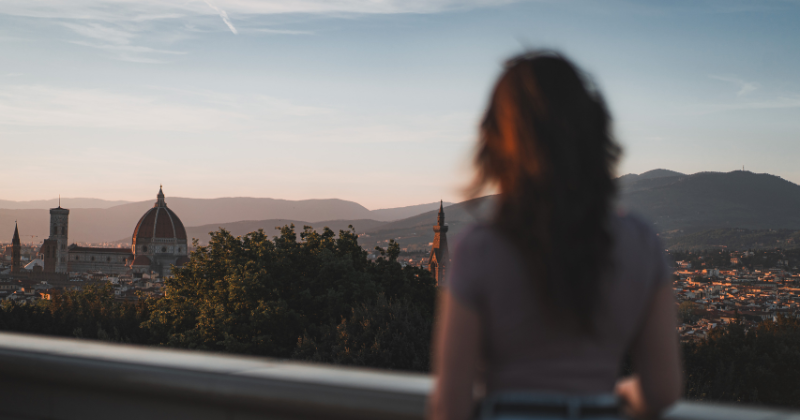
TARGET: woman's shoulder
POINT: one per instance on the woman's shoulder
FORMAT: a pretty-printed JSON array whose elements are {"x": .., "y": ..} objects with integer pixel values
[
  {"x": 639, "y": 247},
  {"x": 477, "y": 238},
  {"x": 630, "y": 227}
]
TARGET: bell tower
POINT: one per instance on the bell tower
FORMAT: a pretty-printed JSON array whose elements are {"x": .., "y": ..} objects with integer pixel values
[
  {"x": 16, "y": 251},
  {"x": 59, "y": 229},
  {"x": 440, "y": 254}
]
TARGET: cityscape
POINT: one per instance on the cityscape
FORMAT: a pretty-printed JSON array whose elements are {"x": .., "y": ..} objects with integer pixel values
[
  {"x": 400, "y": 210},
  {"x": 713, "y": 287}
]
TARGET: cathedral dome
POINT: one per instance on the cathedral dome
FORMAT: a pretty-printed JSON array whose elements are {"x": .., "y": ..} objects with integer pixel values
[{"x": 159, "y": 223}]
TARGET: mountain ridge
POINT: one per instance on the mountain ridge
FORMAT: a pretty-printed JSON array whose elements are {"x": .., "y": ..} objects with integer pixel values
[
  {"x": 96, "y": 225},
  {"x": 672, "y": 201}
]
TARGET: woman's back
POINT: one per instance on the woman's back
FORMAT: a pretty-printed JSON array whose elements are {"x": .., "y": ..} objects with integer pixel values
[
  {"x": 557, "y": 290},
  {"x": 528, "y": 344}
]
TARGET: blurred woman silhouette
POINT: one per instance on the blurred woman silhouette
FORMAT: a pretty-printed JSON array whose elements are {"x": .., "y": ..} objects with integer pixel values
[{"x": 542, "y": 303}]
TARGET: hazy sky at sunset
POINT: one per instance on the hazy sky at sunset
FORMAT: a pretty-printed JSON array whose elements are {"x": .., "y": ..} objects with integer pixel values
[{"x": 371, "y": 101}]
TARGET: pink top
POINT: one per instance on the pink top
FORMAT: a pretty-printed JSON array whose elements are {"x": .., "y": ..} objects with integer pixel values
[{"x": 524, "y": 347}]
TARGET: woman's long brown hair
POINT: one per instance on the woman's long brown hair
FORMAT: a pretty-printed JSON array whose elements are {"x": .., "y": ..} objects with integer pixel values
[{"x": 545, "y": 141}]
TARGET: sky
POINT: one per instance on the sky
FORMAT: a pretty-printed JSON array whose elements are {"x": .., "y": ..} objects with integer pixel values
[{"x": 374, "y": 101}]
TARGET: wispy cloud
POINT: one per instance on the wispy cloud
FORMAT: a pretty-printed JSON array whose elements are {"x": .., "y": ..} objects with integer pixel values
[
  {"x": 250, "y": 118},
  {"x": 101, "y": 32},
  {"x": 224, "y": 17},
  {"x": 131, "y": 53},
  {"x": 155, "y": 109},
  {"x": 45, "y": 106},
  {"x": 744, "y": 86},
  {"x": 282, "y": 31},
  {"x": 117, "y": 40},
  {"x": 780, "y": 102},
  {"x": 139, "y": 30},
  {"x": 107, "y": 10}
]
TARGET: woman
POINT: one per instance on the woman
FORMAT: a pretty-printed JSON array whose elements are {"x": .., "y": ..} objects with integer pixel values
[{"x": 543, "y": 303}]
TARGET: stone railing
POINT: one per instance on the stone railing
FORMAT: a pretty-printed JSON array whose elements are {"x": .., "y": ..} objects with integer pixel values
[{"x": 58, "y": 378}]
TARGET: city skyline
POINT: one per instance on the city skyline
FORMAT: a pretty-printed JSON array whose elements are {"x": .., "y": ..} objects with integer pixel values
[{"x": 373, "y": 102}]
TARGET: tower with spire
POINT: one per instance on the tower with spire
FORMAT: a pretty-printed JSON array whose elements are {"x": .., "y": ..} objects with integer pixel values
[
  {"x": 160, "y": 197},
  {"x": 59, "y": 230},
  {"x": 16, "y": 251},
  {"x": 440, "y": 254}
]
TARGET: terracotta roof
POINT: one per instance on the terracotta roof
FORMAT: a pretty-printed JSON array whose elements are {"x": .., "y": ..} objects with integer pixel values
[
  {"x": 160, "y": 222},
  {"x": 141, "y": 260},
  {"x": 75, "y": 248}
]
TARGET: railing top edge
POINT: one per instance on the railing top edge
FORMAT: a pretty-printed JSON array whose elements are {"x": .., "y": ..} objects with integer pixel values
[
  {"x": 404, "y": 392},
  {"x": 216, "y": 363}
]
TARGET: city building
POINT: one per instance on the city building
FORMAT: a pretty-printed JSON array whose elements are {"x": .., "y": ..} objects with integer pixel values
[
  {"x": 159, "y": 242},
  {"x": 439, "y": 259},
  {"x": 16, "y": 249},
  {"x": 59, "y": 230}
]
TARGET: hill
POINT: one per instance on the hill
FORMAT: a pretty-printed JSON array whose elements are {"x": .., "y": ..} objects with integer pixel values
[
  {"x": 709, "y": 200},
  {"x": 111, "y": 224},
  {"x": 415, "y": 233},
  {"x": 73, "y": 203},
  {"x": 735, "y": 209},
  {"x": 671, "y": 200},
  {"x": 731, "y": 239}
]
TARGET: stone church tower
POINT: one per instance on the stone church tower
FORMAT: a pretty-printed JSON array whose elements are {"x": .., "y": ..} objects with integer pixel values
[
  {"x": 16, "y": 251},
  {"x": 59, "y": 228},
  {"x": 440, "y": 254}
]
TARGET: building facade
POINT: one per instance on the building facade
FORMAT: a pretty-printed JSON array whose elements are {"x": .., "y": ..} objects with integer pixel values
[
  {"x": 16, "y": 251},
  {"x": 59, "y": 231},
  {"x": 159, "y": 241},
  {"x": 439, "y": 260},
  {"x": 49, "y": 254},
  {"x": 114, "y": 261}
]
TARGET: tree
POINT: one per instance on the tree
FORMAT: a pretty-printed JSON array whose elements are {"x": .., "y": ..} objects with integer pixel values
[
  {"x": 316, "y": 298},
  {"x": 687, "y": 312},
  {"x": 760, "y": 365}
]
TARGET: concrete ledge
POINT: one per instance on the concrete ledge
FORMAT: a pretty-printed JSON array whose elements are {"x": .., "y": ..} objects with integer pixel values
[{"x": 59, "y": 378}]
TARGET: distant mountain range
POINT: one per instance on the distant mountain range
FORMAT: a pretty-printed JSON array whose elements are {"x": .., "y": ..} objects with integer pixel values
[
  {"x": 709, "y": 200},
  {"x": 72, "y": 203},
  {"x": 677, "y": 204},
  {"x": 728, "y": 204},
  {"x": 113, "y": 223}
]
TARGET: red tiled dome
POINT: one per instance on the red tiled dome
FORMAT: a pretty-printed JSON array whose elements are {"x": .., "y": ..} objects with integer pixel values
[
  {"x": 141, "y": 260},
  {"x": 159, "y": 222},
  {"x": 182, "y": 261}
]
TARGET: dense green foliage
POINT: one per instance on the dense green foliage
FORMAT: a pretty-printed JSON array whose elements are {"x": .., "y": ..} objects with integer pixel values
[
  {"x": 761, "y": 365},
  {"x": 319, "y": 298},
  {"x": 90, "y": 313},
  {"x": 315, "y": 299}
]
